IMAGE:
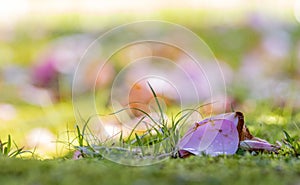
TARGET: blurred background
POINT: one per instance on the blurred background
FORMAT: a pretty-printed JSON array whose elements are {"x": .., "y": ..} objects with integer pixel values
[{"x": 41, "y": 42}]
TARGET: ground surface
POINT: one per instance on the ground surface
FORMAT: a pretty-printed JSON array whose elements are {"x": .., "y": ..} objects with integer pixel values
[{"x": 261, "y": 169}]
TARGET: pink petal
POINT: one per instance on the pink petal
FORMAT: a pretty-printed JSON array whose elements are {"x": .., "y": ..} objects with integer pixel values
[
  {"x": 77, "y": 155},
  {"x": 258, "y": 144},
  {"x": 211, "y": 136},
  {"x": 226, "y": 141},
  {"x": 232, "y": 116},
  {"x": 191, "y": 140}
]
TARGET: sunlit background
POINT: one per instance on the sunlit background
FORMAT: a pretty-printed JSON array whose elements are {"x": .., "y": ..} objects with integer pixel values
[{"x": 257, "y": 45}]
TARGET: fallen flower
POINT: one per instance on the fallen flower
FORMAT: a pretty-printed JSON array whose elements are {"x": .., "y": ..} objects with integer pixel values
[
  {"x": 258, "y": 144},
  {"x": 221, "y": 134},
  {"x": 77, "y": 155}
]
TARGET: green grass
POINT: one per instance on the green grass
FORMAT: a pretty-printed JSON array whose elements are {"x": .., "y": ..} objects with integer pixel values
[
  {"x": 262, "y": 169},
  {"x": 6, "y": 148},
  {"x": 265, "y": 120},
  {"x": 162, "y": 136},
  {"x": 241, "y": 168}
]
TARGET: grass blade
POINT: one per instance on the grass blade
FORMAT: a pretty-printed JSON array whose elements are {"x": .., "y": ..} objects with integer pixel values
[
  {"x": 157, "y": 102},
  {"x": 140, "y": 144}
]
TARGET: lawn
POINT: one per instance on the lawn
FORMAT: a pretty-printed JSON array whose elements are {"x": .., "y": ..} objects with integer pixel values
[
  {"x": 42, "y": 116},
  {"x": 261, "y": 169},
  {"x": 241, "y": 168}
]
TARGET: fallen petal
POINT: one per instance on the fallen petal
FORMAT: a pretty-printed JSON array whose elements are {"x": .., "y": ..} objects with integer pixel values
[
  {"x": 258, "y": 144},
  {"x": 184, "y": 153},
  {"x": 235, "y": 117},
  {"x": 77, "y": 155},
  {"x": 213, "y": 136},
  {"x": 226, "y": 142},
  {"x": 221, "y": 134}
]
